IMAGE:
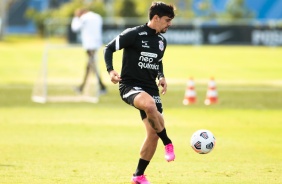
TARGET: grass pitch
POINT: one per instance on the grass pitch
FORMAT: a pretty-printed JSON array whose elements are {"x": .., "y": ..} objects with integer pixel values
[{"x": 99, "y": 143}]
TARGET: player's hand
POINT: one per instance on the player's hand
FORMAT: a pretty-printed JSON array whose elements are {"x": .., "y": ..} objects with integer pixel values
[
  {"x": 115, "y": 77},
  {"x": 162, "y": 82}
]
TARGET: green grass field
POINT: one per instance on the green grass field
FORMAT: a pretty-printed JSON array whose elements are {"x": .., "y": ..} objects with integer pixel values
[{"x": 75, "y": 143}]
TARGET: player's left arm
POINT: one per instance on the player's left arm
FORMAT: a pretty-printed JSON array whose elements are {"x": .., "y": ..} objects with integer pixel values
[{"x": 161, "y": 77}]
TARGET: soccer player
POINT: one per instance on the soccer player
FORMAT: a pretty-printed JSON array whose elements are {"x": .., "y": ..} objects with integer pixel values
[
  {"x": 143, "y": 49},
  {"x": 90, "y": 26}
]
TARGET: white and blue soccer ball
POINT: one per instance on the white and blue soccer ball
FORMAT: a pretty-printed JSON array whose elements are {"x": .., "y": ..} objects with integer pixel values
[{"x": 202, "y": 141}]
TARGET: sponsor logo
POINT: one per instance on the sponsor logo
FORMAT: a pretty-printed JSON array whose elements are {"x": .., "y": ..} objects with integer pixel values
[
  {"x": 157, "y": 99},
  {"x": 267, "y": 37},
  {"x": 148, "y": 66},
  {"x": 149, "y": 54},
  {"x": 161, "y": 45},
  {"x": 145, "y": 44},
  {"x": 185, "y": 36},
  {"x": 143, "y": 33},
  {"x": 220, "y": 37},
  {"x": 146, "y": 61}
]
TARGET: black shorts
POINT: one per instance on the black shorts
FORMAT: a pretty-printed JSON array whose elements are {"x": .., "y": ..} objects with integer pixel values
[{"x": 128, "y": 93}]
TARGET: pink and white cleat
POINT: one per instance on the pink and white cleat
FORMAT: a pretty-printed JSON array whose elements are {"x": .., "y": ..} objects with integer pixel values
[
  {"x": 169, "y": 152},
  {"x": 139, "y": 180}
]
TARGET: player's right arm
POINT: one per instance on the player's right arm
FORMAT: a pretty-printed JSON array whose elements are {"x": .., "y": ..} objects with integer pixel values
[{"x": 125, "y": 39}]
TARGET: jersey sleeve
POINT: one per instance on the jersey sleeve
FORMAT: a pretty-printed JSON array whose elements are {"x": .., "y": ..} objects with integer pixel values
[
  {"x": 123, "y": 40},
  {"x": 161, "y": 68}
]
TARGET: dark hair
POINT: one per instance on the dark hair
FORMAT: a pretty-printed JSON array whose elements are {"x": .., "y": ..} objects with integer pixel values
[{"x": 161, "y": 9}]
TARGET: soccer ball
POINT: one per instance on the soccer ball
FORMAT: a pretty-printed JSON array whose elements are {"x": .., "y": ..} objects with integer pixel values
[{"x": 202, "y": 141}]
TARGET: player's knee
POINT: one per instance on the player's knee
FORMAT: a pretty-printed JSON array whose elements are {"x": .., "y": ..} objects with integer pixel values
[{"x": 150, "y": 108}]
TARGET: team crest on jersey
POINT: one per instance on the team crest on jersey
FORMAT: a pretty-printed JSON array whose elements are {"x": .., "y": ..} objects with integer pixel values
[{"x": 161, "y": 45}]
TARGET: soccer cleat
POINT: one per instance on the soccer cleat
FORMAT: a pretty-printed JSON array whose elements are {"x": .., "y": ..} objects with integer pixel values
[
  {"x": 139, "y": 180},
  {"x": 169, "y": 152}
]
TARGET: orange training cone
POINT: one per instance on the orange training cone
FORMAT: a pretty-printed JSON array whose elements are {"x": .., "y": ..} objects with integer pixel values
[
  {"x": 211, "y": 97},
  {"x": 190, "y": 93}
]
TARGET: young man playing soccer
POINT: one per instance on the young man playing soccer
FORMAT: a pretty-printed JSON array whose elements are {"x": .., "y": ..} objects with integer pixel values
[{"x": 143, "y": 49}]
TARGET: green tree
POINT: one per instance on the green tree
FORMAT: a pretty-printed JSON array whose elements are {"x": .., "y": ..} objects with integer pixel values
[
  {"x": 236, "y": 10},
  {"x": 128, "y": 9},
  {"x": 39, "y": 19},
  {"x": 4, "y": 6}
]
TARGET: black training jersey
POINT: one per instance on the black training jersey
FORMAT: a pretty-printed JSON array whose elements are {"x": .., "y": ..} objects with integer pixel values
[{"x": 143, "y": 50}]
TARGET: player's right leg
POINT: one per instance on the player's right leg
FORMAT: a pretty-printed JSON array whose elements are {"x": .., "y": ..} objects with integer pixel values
[
  {"x": 145, "y": 102},
  {"x": 150, "y": 143}
]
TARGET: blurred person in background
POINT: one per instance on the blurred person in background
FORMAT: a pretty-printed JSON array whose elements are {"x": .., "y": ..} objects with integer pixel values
[
  {"x": 143, "y": 50},
  {"x": 90, "y": 26}
]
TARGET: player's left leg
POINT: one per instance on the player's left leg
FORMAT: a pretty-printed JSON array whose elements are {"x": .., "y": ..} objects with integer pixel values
[{"x": 150, "y": 143}]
